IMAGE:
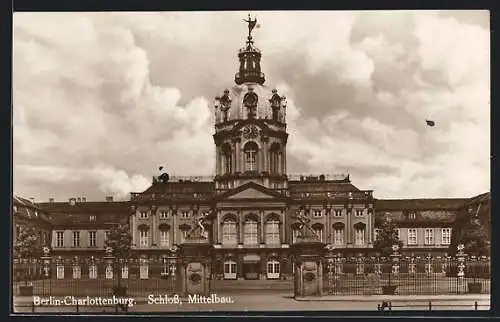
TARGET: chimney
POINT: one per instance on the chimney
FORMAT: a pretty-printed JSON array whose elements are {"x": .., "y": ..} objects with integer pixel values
[
  {"x": 84, "y": 199},
  {"x": 109, "y": 198},
  {"x": 51, "y": 200}
]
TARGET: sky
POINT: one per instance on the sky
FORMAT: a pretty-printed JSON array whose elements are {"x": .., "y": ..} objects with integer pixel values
[{"x": 100, "y": 100}]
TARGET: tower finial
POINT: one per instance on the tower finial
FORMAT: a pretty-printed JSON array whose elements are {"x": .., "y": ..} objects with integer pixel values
[{"x": 251, "y": 25}]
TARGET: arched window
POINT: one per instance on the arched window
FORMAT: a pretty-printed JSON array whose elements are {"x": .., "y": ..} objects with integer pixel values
[
  {"x": 228, "y": 158},
  {"x": 229, "y": 231},
  {"x": 359, "y": 233},
  {"x": 164, "y": 235},
  {"x": 251, "y": 150},
  {"x": 250, "y": 232},
  {"x": 272, "y": 230},
  {"x": 296, "y": 227},
  {"x": 143, "y": 236},
  {"x": 274, "y": 156},
  {"x": 338, "y": 233}
]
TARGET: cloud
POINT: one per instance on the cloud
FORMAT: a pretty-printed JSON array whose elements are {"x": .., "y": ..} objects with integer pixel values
[{"x": 102, "y": 102}]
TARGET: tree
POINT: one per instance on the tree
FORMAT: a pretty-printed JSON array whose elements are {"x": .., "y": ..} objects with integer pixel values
[
  {"x": 26, "y": 247},
  {"x": 386, "y": 238},
  {"x": 475, "y": 239},
  {"x": 120, "y": 242}
]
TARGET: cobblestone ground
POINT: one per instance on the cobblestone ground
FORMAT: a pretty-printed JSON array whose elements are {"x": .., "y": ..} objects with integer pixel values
[{"x": 271, "y": 302}]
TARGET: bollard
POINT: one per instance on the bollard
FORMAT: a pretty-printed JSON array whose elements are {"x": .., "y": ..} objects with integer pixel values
[
  {"x": 378, "y": 307},
  {"x": 77, "y": 308},
  {"x": 390, "y": 306},
  {"x": 430, "y": 306},
  {"x": 32, "y": 306},
  {"x": 475, "y": 305}
]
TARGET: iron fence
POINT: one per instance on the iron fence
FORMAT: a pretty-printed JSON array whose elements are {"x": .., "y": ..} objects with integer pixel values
[
  {"x": 95, "y": 278},
  {"x": 406, "y": 276}
]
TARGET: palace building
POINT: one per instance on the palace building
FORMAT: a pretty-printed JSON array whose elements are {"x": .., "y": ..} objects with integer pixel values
[{"x": 251, "y": 201}]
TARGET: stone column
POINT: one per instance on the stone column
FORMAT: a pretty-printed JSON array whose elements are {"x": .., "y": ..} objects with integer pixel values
[
  {"x": 369, "y": 227},
  {"x": 283, "y": 227},
  {"x": 154, "y": 231},
  {"x": 348, "y": 227},
  {"x": 265, "y": 144},
  {"x": 217, "y": 161},
  {"x": 134, "y": 226},
  {"x": 219, "y": 228},
  {"x": 234, "y": 162},
  {"x": 263, "y": 228},
  {"x": 328, "y": 228},
  {"x": 237, "y": 157},
  {"x": 240, "y": 227},
  {"x": 174, "y": 224}
]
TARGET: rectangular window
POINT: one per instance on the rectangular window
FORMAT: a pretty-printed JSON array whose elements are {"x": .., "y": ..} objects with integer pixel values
[
  {"x": 163, "y": 214},
  {"x": 272, "y": 233},
  {"x": 359, "y": 213},
  {"x": 250, "y": 233},
  {"x": 376, "y": 233},
  {"x": 338, "y": 213},
  {"x": 124, "y": 272},
  {"x": 92, "y": 271},
  {"x": 359, "y": 235},
  {"x": 317, "y": 213},
  {"x": 60, "y": 239},
  {"x": 106, "y": 235},
  {"x": 446, "y": 236},
  {"x": 251, "y": 160},
  {"x": 338, "y": 236},
  {"x": 428, "y": 268},
  {"x": 411, "y": 215},
  {"x": 164, "y": 238},
  {"x": 143, "y": 238},
  {"x": 429, "y": 236},
  {"x": 412, "y": 236},
  {"x": 77, "y": 272},
  {"x": 143, "y": 214},
  {"x": 60, "y": 272},
  {"x": 185, "y": 214},
  {"x": 92, "y": 238},
  {"x": 378, "y": 269},
  {"x": 360, "y": 268},
  {"x": 229, "y": 233},
  {"x": 92, "y": 218},
  {"x": 411, "y": 268},
  {"x": 76, "y": 239}
]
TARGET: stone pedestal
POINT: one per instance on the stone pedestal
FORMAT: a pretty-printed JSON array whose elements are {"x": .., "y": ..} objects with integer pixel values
[
  {"x": 195, "y": 268},
  {"x": 308, "y": 265}
]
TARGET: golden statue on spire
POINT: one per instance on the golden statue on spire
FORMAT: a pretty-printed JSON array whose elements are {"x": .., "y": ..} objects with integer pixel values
[{"x": 251, "y": 25}]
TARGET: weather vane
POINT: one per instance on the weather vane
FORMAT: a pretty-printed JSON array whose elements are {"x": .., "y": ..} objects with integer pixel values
[{"x": 251, "y": 25}]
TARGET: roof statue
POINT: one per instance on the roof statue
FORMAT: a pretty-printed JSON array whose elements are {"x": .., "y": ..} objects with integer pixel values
[
  {"x": 251, "y": 25},
  {"x": 308, "y": 233},
  {"x": 198, "y": 232}
]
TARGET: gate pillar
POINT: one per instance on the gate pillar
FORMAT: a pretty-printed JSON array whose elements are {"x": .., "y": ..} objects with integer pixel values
[
  {"x": 308, "y": 253},
  {"x": 196, "y": 261}
]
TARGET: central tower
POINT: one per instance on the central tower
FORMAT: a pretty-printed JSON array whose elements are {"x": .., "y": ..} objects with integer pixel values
[{"x": 250, "y": 126}]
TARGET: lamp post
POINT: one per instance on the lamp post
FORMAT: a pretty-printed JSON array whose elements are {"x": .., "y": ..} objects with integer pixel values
[
  {"x": 461, "y": 260},
  {"x": 394, "y": 265},
  {"x": 46, "y": 261}
]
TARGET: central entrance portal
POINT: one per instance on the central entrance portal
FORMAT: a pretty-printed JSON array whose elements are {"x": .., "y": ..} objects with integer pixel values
[{"x": 251, "y": 266}]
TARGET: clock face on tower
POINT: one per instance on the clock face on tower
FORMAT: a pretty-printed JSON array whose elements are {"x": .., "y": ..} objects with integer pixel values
[{"x": 250, "y": 132}]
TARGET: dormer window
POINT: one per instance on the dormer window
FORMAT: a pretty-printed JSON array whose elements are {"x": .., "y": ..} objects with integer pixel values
[
  {"x": 92, "y": 218},
  {"x": 411, "y": 215},
  {"x": 143, "y": 214}
]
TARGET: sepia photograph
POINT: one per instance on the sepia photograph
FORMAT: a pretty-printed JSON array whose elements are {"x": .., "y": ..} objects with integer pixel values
[{"x": 250, "y": 161}]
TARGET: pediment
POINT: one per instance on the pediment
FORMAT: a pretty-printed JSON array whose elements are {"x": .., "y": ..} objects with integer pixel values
[{"x": 251, "y": 191}]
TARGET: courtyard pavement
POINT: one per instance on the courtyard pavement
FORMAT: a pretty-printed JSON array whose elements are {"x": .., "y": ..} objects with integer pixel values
[{"x": 281, "y": 302}]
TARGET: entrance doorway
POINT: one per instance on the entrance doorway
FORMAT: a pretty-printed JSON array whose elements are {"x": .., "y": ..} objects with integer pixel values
[
  {"x": 273, "y": 269},
  {"x": 230, "y": 270},
  {"x": 251, "y": 271}
]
